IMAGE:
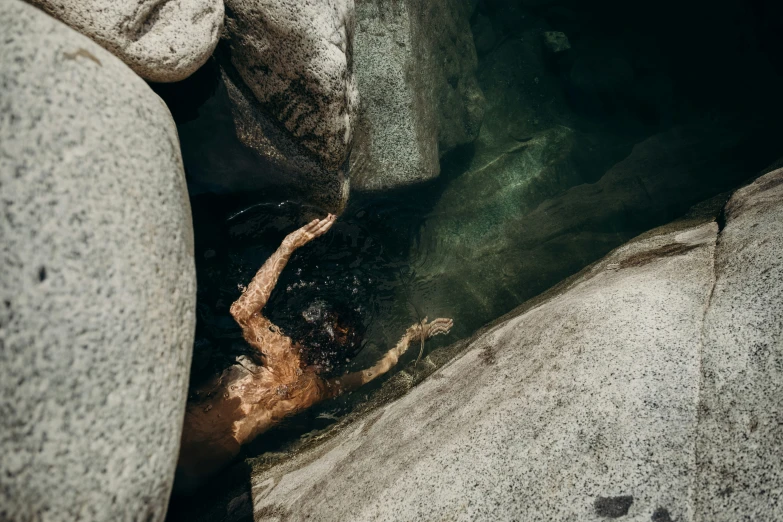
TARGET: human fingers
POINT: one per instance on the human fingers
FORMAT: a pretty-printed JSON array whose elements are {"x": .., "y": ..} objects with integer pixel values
[
  {"x": 310, "y": 227},
  {"x": 324, "y": 225},
  {"x": 437, "y": 330},
  {"x": 440, "y": 326},
  {"x": 442, "y": 320}
]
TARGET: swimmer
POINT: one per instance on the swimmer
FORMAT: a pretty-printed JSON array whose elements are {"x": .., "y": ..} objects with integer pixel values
[{"x": 247, "y": 400}]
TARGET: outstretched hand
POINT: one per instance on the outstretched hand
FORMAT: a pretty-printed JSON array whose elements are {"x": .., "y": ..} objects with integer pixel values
[
  {"x": 312, "y": 230},
  {"x": 426, "y": 330}
]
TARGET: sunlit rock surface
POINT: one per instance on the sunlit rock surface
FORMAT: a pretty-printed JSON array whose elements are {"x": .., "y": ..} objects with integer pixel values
[
  {"x": 645, "y": 388},
  {"x": 524, "y": 96},
  {"x": 97, "y": 285},
  {"x": 739, "y": 450},
  {"x": 162, "y": 41},
  {"x": 415, "y": 68}
]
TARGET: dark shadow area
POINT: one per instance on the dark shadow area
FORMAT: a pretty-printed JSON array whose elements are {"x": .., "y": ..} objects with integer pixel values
[
  {"x": 360, "y": 263},
  {"x": 230, "y": 500},
  {"x": 652, "y": 64}
]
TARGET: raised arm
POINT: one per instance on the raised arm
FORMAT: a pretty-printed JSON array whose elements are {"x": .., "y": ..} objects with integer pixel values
[
  {"x": 260, "y": 288},
  {"x": 415, "y": 333}
]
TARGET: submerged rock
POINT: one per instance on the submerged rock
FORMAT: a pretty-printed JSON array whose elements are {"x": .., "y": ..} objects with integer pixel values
[
  {"x": 97, "y": 285},
  {"x": 539, "y": 198},
  {"x": 530, "y": 149},
  {"x": 161, "y": 41},
  {"x": 415, "y": 67},
  {"x": 556, "y": 41},
  {"x": 648, "y": 377},
  {"x": 493, "y": 243}
]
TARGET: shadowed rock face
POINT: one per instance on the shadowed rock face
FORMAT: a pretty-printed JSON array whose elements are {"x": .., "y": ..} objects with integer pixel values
[
  {"x": 277, "y": 118},
  {"x": 415, "y": 67},
  {"x": 297, "y": 60},
  {"x": 162, "y": 41},
  {"x": 97, "y": 280},
  {"x": 286, "y": 160},
  {"x": 231, "y": 146},
  {"x": 649, "y": 376}
]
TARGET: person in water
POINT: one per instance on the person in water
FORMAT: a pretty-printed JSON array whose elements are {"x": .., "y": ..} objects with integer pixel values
[{"x": 245, "y": 401}]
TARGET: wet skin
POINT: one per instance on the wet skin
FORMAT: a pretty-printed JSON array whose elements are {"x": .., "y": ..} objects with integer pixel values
[{"x": 247, "y": 400}]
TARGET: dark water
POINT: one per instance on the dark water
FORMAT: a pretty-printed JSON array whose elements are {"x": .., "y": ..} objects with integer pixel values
[
  {"x": 690, "y": 108},
  {"x": 241, "y": 214},
  {"x": 362, "y": 263}
]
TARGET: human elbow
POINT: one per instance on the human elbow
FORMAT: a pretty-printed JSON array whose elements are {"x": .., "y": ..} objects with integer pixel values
[{"x": 238, "y": 313}]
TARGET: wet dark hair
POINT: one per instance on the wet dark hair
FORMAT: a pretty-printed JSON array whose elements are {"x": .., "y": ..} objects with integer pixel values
[{"x": 328, "y": 335}]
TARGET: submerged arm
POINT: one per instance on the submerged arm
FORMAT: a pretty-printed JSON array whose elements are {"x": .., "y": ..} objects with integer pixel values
[
  {"x": 257, "y": 293},
  {"x": 415, "y": 333}
]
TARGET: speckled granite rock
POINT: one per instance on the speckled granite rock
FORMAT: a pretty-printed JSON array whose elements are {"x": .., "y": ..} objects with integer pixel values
[
  {"x": 739, "y": 453},
  {"x": 97, "y": 285},
  {"x": 297, "y": 59},
  {"x": 231, "y": 146},
  {"x": 415, "y": 66},
  {"x": 592, "y": 403},
  {"x": 279, "y": 155},
  {"x": 163, "y": 41}
]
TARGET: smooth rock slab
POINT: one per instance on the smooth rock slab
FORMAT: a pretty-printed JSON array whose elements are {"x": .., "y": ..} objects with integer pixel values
[
  {"x": 97, "y": 280},
  {"x": 162, "y": 40},
  {"x": 588, "y": 405}
]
